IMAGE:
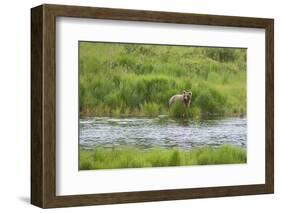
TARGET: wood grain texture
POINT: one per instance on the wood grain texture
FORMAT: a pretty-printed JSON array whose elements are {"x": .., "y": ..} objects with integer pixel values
[
  {"x": 269, "y": 118},
  {"x": 36, "y": 106},
  {"x": 43, "y": 105}
]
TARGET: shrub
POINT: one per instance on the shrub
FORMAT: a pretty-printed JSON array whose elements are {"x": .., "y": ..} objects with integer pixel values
[{"x": 211, "y": 101}]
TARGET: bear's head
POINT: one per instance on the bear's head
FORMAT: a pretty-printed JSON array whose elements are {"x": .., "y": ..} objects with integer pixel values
[{"x": 187, "y": 95}]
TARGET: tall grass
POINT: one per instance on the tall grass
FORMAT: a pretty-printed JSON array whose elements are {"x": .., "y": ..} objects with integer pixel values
[
  {"x": 129, "y": 157},
  {"x": 128, "y": 79}
]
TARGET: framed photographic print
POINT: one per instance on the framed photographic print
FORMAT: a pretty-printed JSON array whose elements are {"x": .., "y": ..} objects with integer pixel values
[{"x": 137, "y": 106}]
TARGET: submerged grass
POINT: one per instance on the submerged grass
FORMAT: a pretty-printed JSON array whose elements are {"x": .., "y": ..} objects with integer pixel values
[{"x": 129, "y": 157}]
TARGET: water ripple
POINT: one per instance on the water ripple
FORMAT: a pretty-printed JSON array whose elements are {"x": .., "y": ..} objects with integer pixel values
[{"x": 146, "y": 133}]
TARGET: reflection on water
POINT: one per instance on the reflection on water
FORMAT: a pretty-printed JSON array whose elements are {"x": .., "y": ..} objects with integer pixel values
[{"x": 162, "y": 132}]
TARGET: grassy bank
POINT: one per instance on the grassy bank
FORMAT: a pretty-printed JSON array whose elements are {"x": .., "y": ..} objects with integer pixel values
[
  {"x": 102, "y": 158},
  {"x": 138, "y": 80}
]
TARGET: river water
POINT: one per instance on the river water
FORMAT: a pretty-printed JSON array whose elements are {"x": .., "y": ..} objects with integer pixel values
[{"x": 161, "y": 132}]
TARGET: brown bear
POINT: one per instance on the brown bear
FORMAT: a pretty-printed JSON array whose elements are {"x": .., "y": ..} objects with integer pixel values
[{"x": 185, "y": 99}]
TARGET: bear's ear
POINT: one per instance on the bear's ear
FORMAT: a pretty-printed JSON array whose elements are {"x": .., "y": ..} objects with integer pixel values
[
  {"x": 189, "y": 93},
  {"x": 184, "y": 92}
]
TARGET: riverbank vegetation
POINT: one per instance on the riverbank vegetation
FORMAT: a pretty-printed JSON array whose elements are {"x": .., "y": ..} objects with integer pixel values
[
  {"x": 138, "y": 80},
  {"x": 130, "y": 157}
]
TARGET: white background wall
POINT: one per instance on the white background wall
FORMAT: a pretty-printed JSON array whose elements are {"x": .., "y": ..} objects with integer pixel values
[{"x": 15, "y": 105}]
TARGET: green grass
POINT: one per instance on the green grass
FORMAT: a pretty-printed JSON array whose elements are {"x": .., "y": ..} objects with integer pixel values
[
  {"x": 138, "y": 80},
  {"x": 129, "y": 157}
]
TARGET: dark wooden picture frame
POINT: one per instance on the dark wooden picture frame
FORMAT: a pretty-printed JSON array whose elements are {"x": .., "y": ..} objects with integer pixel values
[{"x": 43, "y": 105}]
